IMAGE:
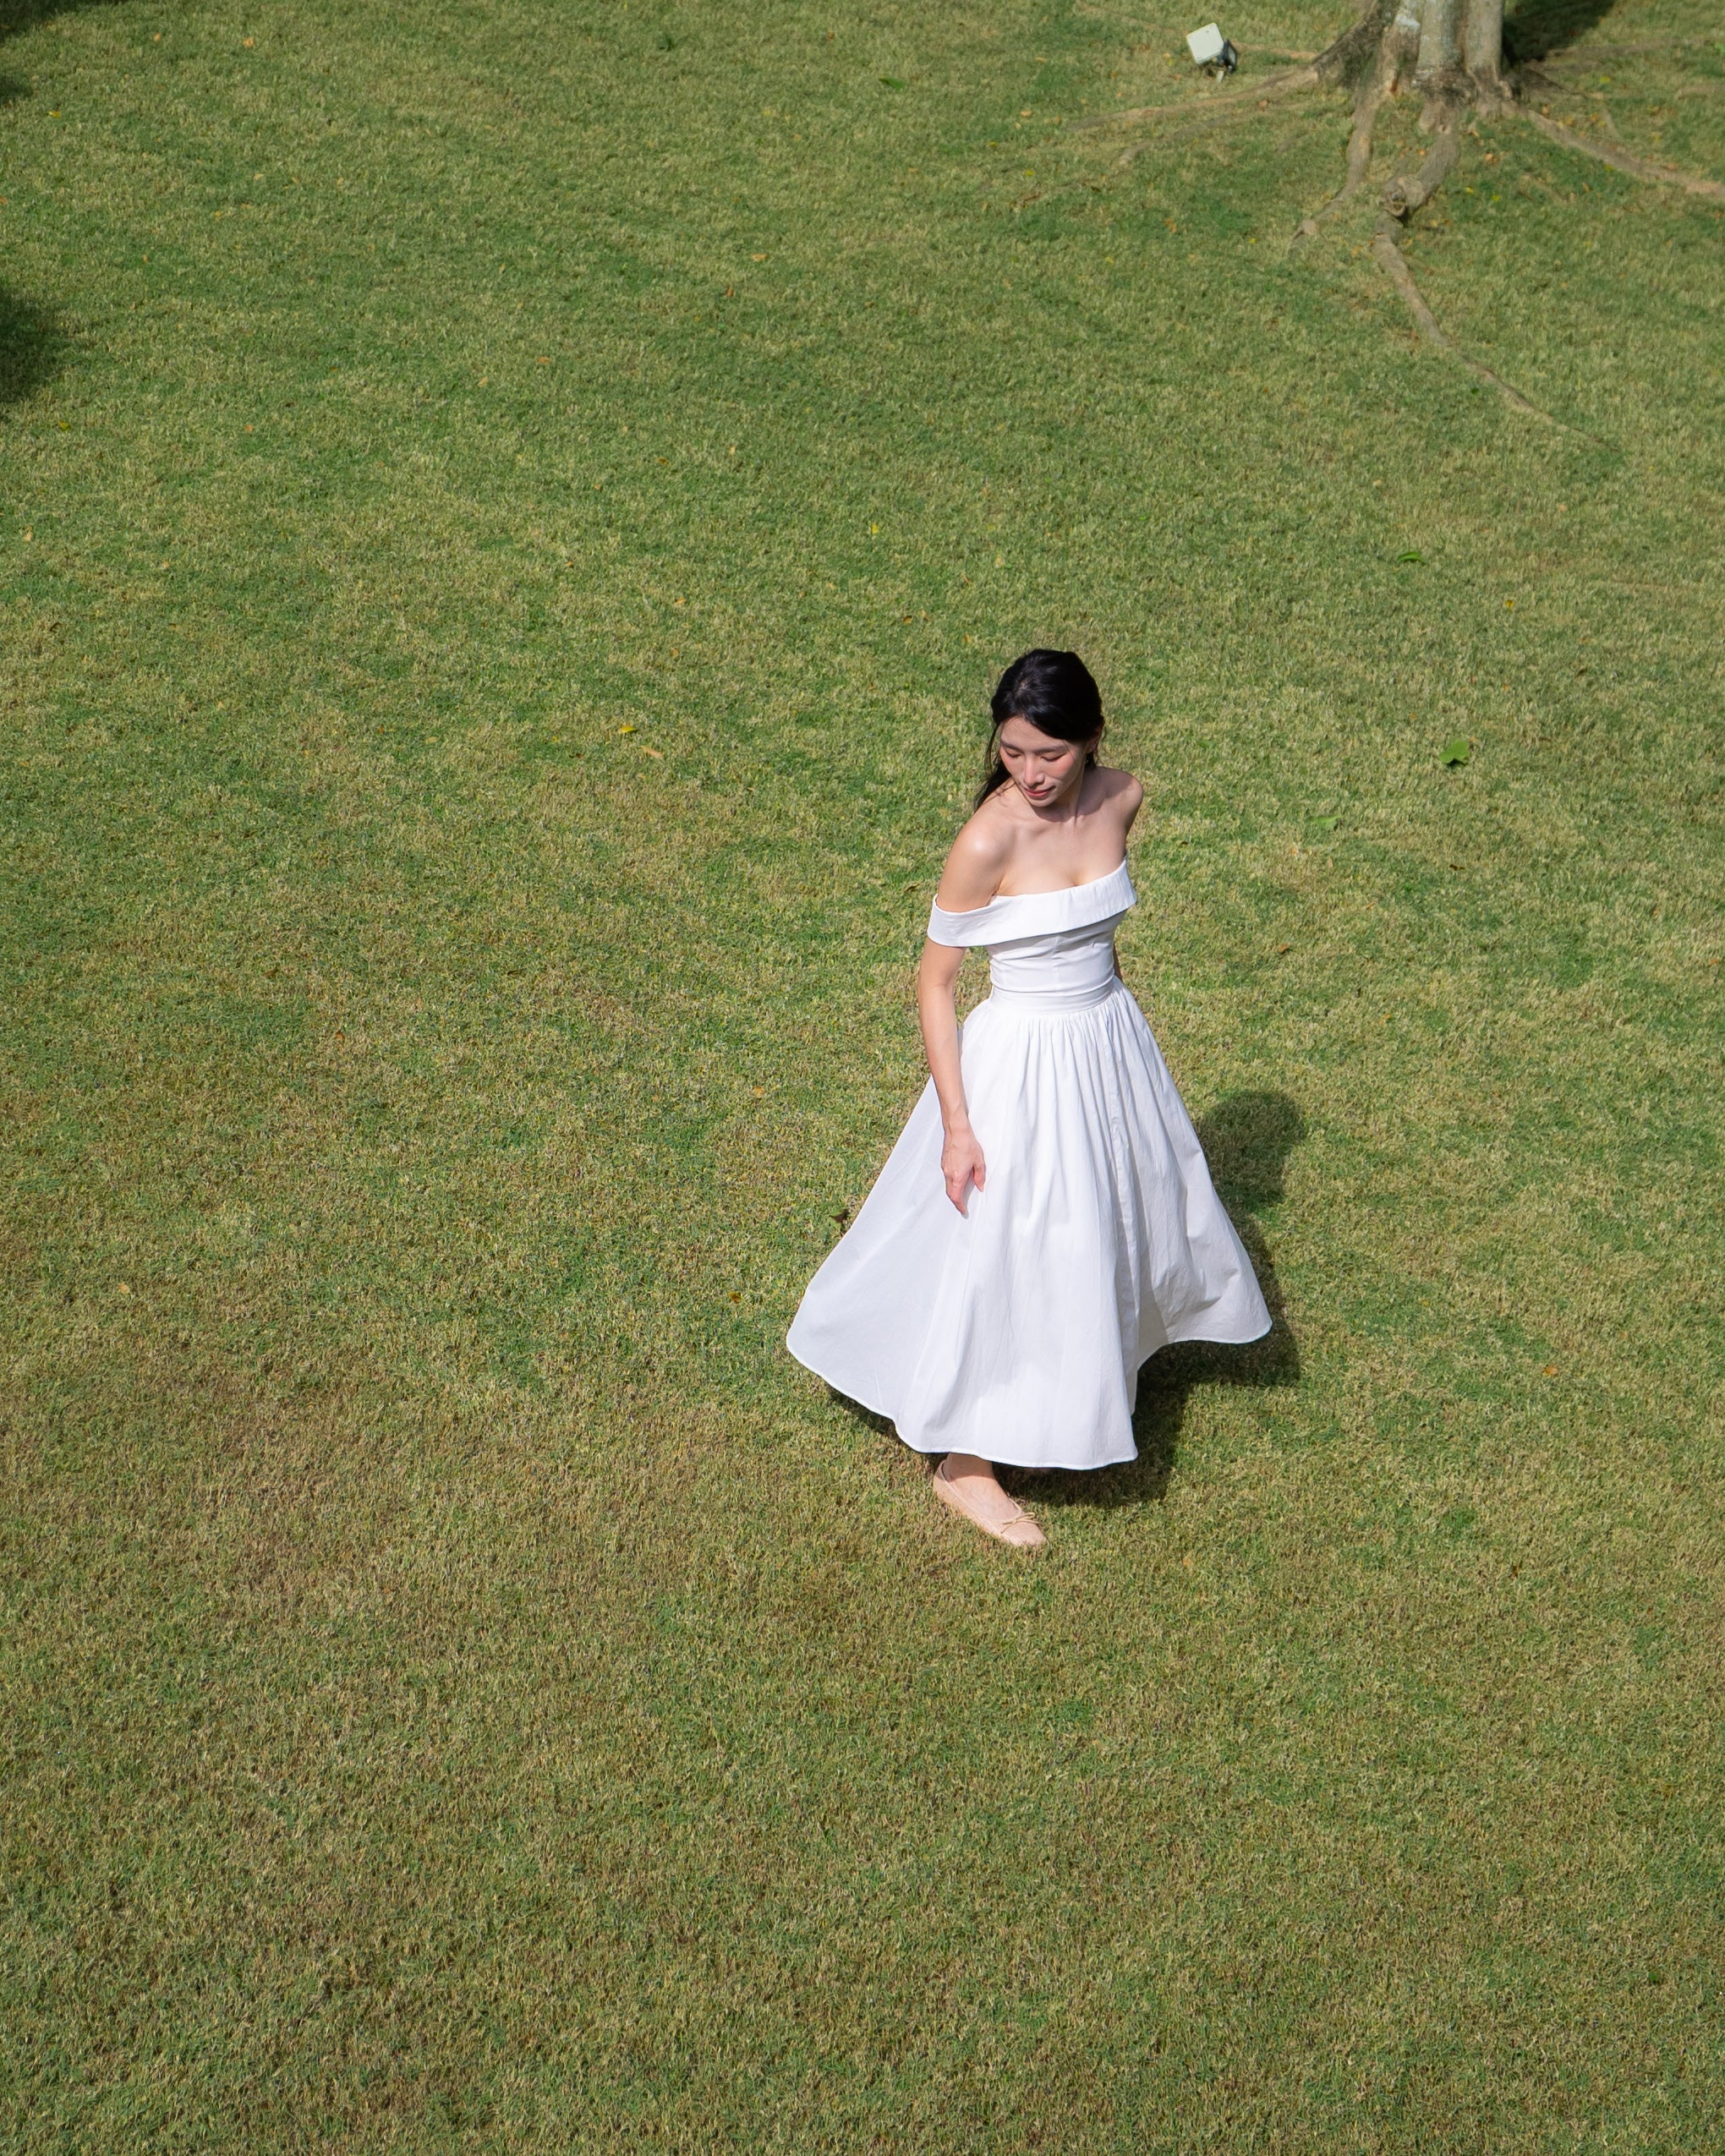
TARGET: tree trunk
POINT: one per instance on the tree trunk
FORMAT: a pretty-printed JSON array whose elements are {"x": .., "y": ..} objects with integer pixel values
[
  {"x": 1401, "y": 43},
  {"x": 1435, "y": 41},
  {"x": 1482, "y": 42},
  {"x": 1440, "y": 41}
]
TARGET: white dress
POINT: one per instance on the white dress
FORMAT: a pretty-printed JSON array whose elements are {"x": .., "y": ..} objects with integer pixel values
[{"x": 1014, "y": 1331}]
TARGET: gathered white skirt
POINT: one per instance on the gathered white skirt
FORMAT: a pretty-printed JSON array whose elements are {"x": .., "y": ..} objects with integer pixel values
[{"x": 1015, "y": 1331}]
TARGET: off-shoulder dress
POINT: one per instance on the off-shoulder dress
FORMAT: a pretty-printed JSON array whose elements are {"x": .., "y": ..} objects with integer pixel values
[{"x": 1015, "y": 1331}]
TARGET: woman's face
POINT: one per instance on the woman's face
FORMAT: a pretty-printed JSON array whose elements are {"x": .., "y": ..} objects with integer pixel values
[{"x": 1044, "y": 770}]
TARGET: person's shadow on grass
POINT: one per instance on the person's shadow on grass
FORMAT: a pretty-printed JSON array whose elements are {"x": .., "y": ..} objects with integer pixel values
[
  {"x": 32, "y": 345},
  {"x": 1246, "y": 1140}
]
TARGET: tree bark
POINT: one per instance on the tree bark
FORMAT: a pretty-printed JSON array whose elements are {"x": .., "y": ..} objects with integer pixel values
[
  {"x": 1401, "y": 44},
  {"x": 1440, "y": 41},
  {"x": 1482, "y": 42},
  {"x": 1356, "y": 49}
]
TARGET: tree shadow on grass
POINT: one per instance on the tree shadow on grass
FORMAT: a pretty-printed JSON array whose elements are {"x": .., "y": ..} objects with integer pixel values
[
  {"x": 32, "y": 347},
  {"x": 1534, "y": 29},
  {"x": 19, "y": 17},
  {"x": 1246, "y": 1140}
]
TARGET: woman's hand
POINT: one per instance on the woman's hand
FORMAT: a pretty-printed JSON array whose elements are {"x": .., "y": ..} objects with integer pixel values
[
  {"x": 961, "y": 1163},
  {"x": 961, "y": 1155}
]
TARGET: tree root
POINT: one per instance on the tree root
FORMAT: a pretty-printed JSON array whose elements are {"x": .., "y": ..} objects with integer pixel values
[
  {"x": 1389, "y": 258},
  {"x": 1620, "y": 160},
  {"x": 1359, "y": 164},
  {"x": 1226, "y": 106},
  {"x": 1394, "y": 52},
  {"x": 1408, "y": 192},
  {"x": 1455, "y": 53},
  {"x": 1594, "y": 54},
  {"x": 1169, "y": 136}
]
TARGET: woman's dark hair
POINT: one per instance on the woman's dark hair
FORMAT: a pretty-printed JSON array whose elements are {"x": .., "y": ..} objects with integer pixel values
[{"x": 1056, "y": 692}]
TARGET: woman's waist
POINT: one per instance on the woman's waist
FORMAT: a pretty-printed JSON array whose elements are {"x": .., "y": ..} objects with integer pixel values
[
  {"x": 1051, "y": 998},
  {"x": 1084, "y": 971}
]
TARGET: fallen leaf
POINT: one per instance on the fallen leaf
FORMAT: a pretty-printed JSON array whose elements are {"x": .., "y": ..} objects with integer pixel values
[
  {"x": 657, "y": 754},
  {"x": 1456, "y": 750},
  {"x": 1413, "y": 554},
  {"x": 892, "y": 82},
  {"x": 625, "y": 729}
]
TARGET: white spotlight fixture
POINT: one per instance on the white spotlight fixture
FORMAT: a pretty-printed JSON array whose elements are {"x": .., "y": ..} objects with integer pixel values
[{"x": 1211, "y": 51}]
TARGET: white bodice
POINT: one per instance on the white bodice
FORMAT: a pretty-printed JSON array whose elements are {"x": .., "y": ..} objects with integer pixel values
[{"x": 1049, "y": 950}]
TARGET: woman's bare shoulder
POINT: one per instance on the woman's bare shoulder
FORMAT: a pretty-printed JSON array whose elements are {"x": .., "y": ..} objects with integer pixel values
[
  {"x": 977, "y": 862},
  {"x": 1121, "y": 791}
]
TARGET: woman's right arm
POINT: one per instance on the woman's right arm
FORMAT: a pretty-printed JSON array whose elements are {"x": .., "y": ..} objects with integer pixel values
[
  {"x": 961, "y": 1161},
  {"x": 971, "y": 878}
]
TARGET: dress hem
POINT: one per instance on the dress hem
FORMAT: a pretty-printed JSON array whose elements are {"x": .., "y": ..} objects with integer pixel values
[{"x": 1000, "y": 1459}]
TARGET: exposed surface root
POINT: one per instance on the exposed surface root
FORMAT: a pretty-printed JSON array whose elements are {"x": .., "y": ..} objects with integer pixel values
[
  {"x": 1621, "y": 161},
  {"x": 1411, "y": 191},
  {"x": 1361, "y": 46},
  {"x": 1230, "y": 101},
  {"x": 1453, "y": 51},
  {"x": 1164, "y": 138},
  {"x": 1390, "y": 259},
  {"x": 1359, "y": 162},
  {"x": 1360, "y": 140},
  {"x": 1394, "y": 54},
  {"x": 1595, "y": 53}
]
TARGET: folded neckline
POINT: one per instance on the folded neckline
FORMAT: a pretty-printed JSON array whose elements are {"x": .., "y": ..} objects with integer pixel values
[{"x": 1011, "y": 898}]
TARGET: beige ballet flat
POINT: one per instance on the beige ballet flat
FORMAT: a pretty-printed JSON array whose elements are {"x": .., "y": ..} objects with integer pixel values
[{"x": 1018, "y": 1530}]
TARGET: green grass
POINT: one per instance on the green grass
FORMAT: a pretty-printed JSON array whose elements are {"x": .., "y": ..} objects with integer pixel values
[{"x": 463, "y": 1688}]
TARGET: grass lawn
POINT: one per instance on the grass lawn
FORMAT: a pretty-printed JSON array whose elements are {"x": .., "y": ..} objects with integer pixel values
[{"x": 513, "y": 512}]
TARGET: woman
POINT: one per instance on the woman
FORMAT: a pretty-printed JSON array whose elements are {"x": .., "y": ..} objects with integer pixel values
[{"x": 1046, "y": 1222}]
